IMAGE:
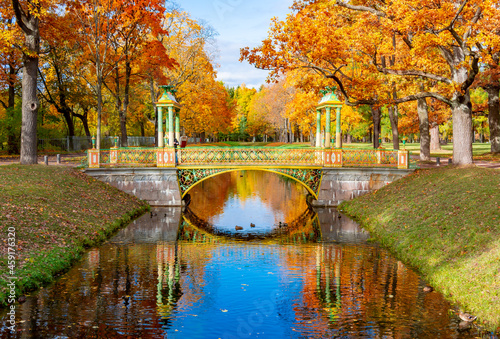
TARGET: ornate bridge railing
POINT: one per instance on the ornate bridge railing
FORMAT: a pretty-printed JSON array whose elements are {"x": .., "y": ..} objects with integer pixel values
[
  {"x": 130, "y": 156},
  {"x": 240, "y": 156},
  {"x": 251, "y": 156}
]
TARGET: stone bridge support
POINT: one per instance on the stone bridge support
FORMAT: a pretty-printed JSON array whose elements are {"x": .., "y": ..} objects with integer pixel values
[
  {"x": 157, "y": 186},
  {"x": 161, "y": 186},
  {"x": 342, "y": 184}
]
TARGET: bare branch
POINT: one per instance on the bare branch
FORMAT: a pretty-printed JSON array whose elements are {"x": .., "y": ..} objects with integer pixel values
[
  {"x": 413, "y": 73},
  {"x": 361, "y": 8},
  {"x": 472, "y": 74},
  {"x": 49, "y": 99},
  {"x": 457, "y": 37},
  {"x": 475, "y": 19},
  {"x": 21, "y": 17},
  {"x": 422, "y": 95},
  {"x": 455, "y": 18}
]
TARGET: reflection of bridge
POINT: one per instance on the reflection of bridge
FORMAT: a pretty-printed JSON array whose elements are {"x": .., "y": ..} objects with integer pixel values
[
  {"x": 170, "y": 224},
  {"x": 304, "y": 229},
  {"x": 142, "y": 170}
]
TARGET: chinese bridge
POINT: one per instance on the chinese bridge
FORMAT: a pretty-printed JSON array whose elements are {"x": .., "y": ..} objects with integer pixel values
[
  {"x": 329, "y": 175},
  {"x": 164, "y": 175}
]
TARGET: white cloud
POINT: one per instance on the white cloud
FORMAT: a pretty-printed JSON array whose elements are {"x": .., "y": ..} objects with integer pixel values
[{"x": 240, "y": 23}]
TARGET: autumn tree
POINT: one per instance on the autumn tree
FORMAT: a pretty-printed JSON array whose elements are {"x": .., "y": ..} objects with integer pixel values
[
  {"x": 437, "y": 41},
  {"x": 28, "y": 14},
  {"x": 204, "y": 100},
  {"x": 132, "y": 44},
  {"x": 489, "y": 80},
  {"x": 10, "y": 65},
  {"x": 94, "y": 23}
]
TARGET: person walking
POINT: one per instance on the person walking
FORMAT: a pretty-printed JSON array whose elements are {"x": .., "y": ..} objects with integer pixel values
[{"x": 176, "y": 143}]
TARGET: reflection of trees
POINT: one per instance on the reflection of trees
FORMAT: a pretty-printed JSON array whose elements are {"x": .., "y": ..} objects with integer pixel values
[
  {"x": 168, "y": 287},
  {"x": 140, "y": 290},
  {"x": 362, "y": 289},
  {"x": 304, "y": 229},
  {"x": 286, "y": 197}
]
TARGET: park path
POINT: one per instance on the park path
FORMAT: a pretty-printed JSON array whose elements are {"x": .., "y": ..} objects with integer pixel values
[
  {"x": 444, "y": 162},
  {"x": 69, "y": 160}
]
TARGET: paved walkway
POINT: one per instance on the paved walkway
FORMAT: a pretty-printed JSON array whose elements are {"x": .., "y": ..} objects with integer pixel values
[
  {"x": 70, "y": 160},
  {"x": 444, "y": 162}
]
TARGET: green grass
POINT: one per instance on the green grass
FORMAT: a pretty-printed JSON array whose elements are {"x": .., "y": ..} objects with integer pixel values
[
  {"x": 57, "y": 212},
  {"x": 446, "y": 223}
]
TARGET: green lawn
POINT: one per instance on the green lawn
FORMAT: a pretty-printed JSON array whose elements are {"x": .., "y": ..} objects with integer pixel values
[
  {"x": 446, "y": 223},
  {"x": 56, "y": 212}
]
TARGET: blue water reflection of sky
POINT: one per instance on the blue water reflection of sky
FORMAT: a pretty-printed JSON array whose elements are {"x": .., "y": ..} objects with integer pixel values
[
  {"x": 252, "y": 210},
  {"x": 248, "y": 296}
]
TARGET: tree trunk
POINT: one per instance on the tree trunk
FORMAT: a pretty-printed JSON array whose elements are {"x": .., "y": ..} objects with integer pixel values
[
  {"x": 30, "y": 102},
  {"x": 434, "y": 133},
  {"x": 462, "y": 131},
  {"x": 423, "y": 118},
  {"x": 155, "y": 114},
  {"x": 376, "y": 126},
  {"x": 393, "y": 117},
  {"x": 99, "y": 111},
  {"x": 494, "y": 118},
  {"x": 143, "y": 130},
  {"x": 85, "y": 121},
  {"x": 66, "y": 112},
  {"x": 29, "y": 112},
  {"x": 126, "y": 98},
  {"x": 12, "y": 136}
]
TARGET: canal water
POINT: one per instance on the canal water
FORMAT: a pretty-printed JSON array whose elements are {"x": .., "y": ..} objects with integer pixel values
[{"x": 247, "y": 259}]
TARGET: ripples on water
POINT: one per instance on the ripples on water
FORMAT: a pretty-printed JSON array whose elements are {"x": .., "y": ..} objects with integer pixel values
[{"x": 169, "y": 275}]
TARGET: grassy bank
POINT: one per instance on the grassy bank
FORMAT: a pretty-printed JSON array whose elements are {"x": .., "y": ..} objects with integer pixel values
[
  {"x": 56, "y": 212},
  {"x": 446, "y": 223}
]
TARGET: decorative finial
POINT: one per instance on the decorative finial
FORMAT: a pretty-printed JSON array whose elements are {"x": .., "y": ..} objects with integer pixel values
[
  {"x": 328, "y": 89},
  {"x": 169, "y": 88}
]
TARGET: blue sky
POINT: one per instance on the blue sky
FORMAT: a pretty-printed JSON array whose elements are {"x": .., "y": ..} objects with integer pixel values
[{"x": 239, "y": 24}]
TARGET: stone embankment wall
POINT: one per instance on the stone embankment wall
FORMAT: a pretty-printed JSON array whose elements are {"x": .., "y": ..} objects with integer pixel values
[
  {"x": 343, "y": 184},
  {"x": 157, "y": 186}
]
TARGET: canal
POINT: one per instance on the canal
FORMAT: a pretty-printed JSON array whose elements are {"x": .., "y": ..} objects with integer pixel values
[{"x": 248, "y": 258}]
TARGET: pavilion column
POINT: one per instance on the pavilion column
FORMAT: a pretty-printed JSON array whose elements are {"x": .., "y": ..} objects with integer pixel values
[
  {"x": 338, "y": 131},
  {"x": 318, "y": 128},
  {"x": 166, "y": 130},
  {"x": 171, "y": 126},
  {"x": 160, "y": 127},
  {"x": 328, "y": 128},
  {"x": 177, "y": 127}
]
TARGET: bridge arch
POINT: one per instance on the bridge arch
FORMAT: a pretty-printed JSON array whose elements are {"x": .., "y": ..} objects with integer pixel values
[{"x": 310, "y": 178}]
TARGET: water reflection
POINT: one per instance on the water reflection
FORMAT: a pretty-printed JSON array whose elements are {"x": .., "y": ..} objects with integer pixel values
[
  {"x": 336, "y": 227},
  {"x": 248, "y": 197},
  {"x": 161, "y": 224},
  {"x": 186, "y": 276},
  {"x": 302, "y": 230}
]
